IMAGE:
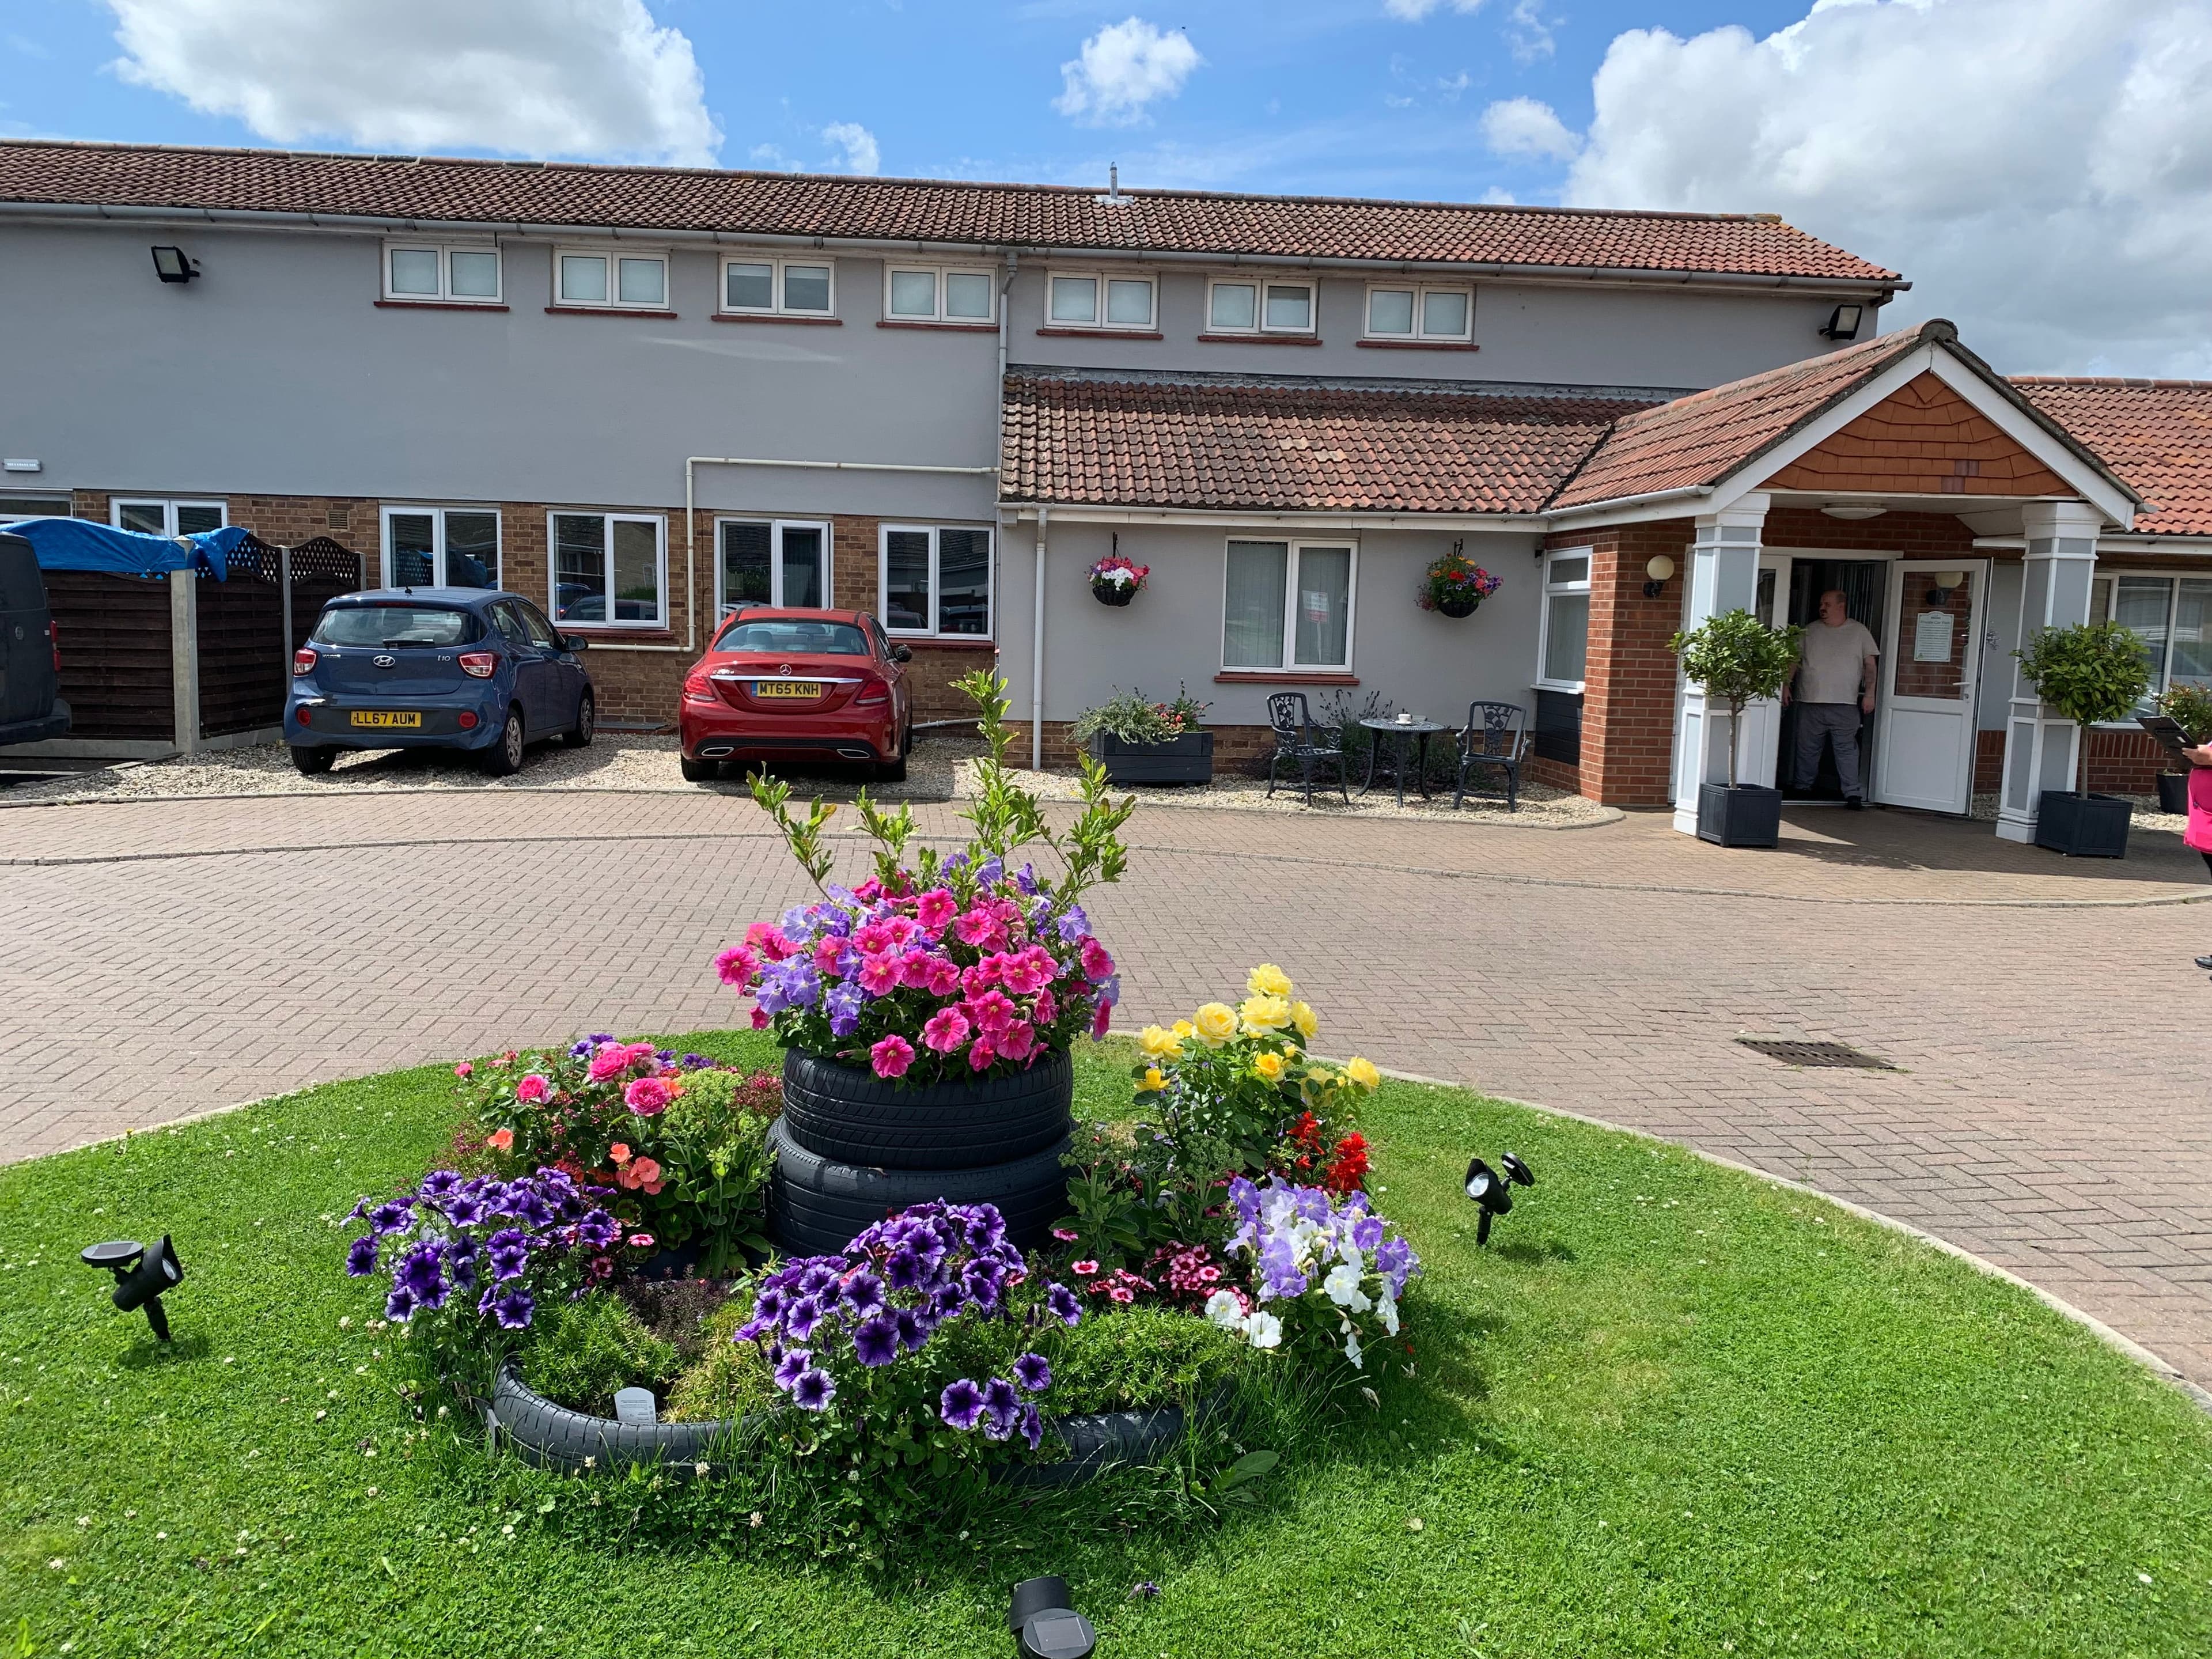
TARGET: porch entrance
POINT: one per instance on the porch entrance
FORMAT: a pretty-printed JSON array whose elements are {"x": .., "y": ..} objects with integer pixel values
[
  {"x": 1790, "y": 589},
  {"x": 1931, "y": 658}
]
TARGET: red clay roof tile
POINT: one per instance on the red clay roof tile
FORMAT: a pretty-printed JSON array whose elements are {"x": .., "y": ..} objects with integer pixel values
[{"x": 2156, "y": 434}]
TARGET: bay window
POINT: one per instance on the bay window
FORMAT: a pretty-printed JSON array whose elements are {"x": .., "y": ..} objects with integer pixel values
[
  {"x": 627, "y": 282},
  {"x": 442, "y": 273},
  {"x": 936, "y": 580},
  {"x": 771, "y": 561},
  {"x": 609, "y": 567},
  {"x": 441, "y": 547},
  {"x": 1287, "y": 605},
  {"x": 1563, "y": 641}
]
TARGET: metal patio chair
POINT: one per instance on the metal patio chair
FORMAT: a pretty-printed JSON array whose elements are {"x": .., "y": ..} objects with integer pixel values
[
  {"x": 1496, "y": 734},
  {"x": 1298, "y": 739}
]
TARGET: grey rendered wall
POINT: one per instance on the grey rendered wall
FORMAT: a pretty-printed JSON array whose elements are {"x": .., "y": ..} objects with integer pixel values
[
  {"x": 1171, "y": 633},
  {"x": 2000, "y": 618}
]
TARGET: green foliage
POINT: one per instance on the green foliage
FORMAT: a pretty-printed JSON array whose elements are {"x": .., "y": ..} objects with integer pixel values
[
  {"x": 578, "y": 1353},
  {"x": 2189, "y": 706},
  {"x": 2090, "y": 672},
  {"x": 727, "y": 1380},
  {"x": 1006, "y": 816},
  {"x": 1145, "y": 1355},
  {"x": 715, "y": 1159},
  {"x": 1738, "y": 659},
  {"x": 1127, "y": 715}
]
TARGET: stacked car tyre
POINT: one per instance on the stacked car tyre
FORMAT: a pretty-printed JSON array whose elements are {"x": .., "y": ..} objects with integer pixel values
[{"x": 852, "y": 1148}]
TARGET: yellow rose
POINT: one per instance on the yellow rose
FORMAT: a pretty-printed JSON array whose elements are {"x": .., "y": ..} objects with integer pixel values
[
  {"x": 1264, "y": 1013},
  {"x": 1363, "y": 1072},
  {"x": 1268, "y": 1066},
  {"x": 1307, "y": 1021},
  {"x": 1268, "y": 980},
  {"x": 1216, "y": 1023},
  {"x": 1157, "y": 1043},
  {"x": 1184, "y": 1030},
  {"x": 1151, "y": 1082}
]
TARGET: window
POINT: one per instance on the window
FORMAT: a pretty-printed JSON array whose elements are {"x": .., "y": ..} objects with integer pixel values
[
  {"x": 627, "y": 282},
  {"x": 441, "y": 547},
  {"x": 1564, "y": 647},
  {"x": 609, "y": 567},
  {"x": 14, "y": 508},
  {"x": 1418, "y": 313},
  {"x": 446, "y": 273},
  {"x": 936, "y": 580},
  {"x": 916, "y": 294},
  {"x": 772, "y": 562},
  {"x": 2173, "y": 617},
  {"x": 1288, "y": 605},
  {"x": 778, "y": 288},
  {"x": 393, "y": 624},
  {"x": 1248, "y": 308},
  {"x": 1097, "y": 302},
  {"x": 792, "y": 636},
  {"x": 157, "y": 518}
]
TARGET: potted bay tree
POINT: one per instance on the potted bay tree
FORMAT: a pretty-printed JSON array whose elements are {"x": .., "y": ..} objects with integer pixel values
[
  {"x": 1738, "y": 659},
  {"x": 2091, "y": 672}
]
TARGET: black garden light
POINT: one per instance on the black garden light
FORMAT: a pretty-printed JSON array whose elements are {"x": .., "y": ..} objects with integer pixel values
[
  {"x": 1493, "y": 1191},
  {"x": 174, "y": 265},
  {"x": 143, "y": 1275},
  {"x": 1044, "y": 1626}
]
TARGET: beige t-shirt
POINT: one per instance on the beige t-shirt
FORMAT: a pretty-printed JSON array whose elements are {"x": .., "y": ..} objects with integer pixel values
[{"x": 1830, "y": 662}]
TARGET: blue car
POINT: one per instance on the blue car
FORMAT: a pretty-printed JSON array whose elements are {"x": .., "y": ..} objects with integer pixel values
[{"x": 436, "y": 668}]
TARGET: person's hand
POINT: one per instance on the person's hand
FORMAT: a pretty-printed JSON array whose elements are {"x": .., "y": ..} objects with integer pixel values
[
  {"x": 2201, "y": 756},
  {"x": 1785, "y": 696},
  {"x": 1866, "y": 704}
]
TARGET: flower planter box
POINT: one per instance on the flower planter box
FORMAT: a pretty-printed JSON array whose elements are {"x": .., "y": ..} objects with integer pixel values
[
  {"x": 2083, "y": 827},
  {"x": 1186, "y": 759},
  {"x": 2173, "y": 791},
  {"x": 1746, "y": 816}
]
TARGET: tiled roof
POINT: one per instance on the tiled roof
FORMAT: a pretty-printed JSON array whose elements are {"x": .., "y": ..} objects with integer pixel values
[
  {"x": 905, "y": 209},
  {"x": 2156, "y": 434},
  {"x": 1191, "y": 442}
]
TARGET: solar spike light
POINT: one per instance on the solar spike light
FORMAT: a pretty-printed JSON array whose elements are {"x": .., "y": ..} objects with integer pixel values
[
  {"x": 143, "y": 1275},
  {"x": 1492, "y": 1191},
  {"x": 1044, "y": 1626}
]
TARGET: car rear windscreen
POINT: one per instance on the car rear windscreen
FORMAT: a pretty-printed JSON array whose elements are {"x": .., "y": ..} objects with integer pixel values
[
  {"x": 771, "y": 637},
  {"x": 393, "y": 624}
]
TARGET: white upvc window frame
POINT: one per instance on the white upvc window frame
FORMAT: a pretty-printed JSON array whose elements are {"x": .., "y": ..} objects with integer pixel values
[
  {"x": 2108, "y": 577},
  {"x": 934, "y": 531},
  {"x": 778, "y": 265},
  {"x": 938, "y": 275},
  {"x": 444, "y": 248},
  {"x": 1103, "y": 277},
  {"x": 169, "y": 506},
  {"x": 611, "y": 258},
  {"x": 661, "y": 623},
  {"x": 1296, "y": 549},
  {"x": 1546, "y": 588},
  {"x": 724, "y": 604},
  {"x": 1260, "y": 287},
  {"x": 436, "y": 511},
  {"x": 56, "y": 504},
  {"x": 1419, "y": 334}
]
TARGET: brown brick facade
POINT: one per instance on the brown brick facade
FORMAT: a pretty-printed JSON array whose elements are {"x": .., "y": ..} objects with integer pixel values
[
  {"x": 1235, "y": 747},
  {"x": 1628, "y": 692}
]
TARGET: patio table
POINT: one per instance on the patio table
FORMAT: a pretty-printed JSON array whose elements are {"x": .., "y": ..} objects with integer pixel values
[{"x": 1400, "y": 730}]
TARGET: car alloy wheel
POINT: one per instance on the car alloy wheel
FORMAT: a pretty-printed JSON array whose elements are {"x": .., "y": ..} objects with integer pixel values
[{"x": 511, "y": 741}]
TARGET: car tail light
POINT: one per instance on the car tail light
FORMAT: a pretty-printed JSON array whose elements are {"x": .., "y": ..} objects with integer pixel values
[
  {"x": 478, "y": 665},
  {"x": 874, "y": 696},
  {"x": 54, "y": 638},
  {"x": 468, "y": 719},
  {"x": 303, "y": 662},
  {"x": 696, "y": 688}
]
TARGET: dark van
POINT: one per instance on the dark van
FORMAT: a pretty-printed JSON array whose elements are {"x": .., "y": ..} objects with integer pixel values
[{"x": 31, "y": 706}]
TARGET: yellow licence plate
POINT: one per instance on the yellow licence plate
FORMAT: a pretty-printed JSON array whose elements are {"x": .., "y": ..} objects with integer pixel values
[
  {"x": 378, "y": 717},
  {"x": 787, "y": 689}
]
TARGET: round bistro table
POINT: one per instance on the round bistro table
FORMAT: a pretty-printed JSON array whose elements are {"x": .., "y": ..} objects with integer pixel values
[{"x": 1400, "y": 730}]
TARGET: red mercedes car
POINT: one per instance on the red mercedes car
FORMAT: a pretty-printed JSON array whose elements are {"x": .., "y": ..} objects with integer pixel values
[{"x": 784, "y": 684}]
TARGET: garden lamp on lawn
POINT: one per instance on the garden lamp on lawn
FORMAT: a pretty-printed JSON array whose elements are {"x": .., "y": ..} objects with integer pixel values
[
  {"x": 143, "y": 1275},
  {"x": 1044, "y": 1626},
  {"x": 1492, "y": 1190}
]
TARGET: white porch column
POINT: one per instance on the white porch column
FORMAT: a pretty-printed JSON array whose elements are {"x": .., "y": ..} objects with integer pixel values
[
  {"x": 2039, "y": 746},
  {"x": 1723, "y": 576}
]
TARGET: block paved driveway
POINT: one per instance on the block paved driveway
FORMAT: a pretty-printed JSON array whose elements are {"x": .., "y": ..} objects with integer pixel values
[{"x": 162, "y": 957}]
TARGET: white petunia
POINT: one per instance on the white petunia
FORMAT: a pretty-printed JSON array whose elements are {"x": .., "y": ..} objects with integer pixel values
[
  {"x": 1389, "y": 1314},
  {"x": 1342, "y": 1286},
  {"x": 1351, "y": 1347},
  {"x": 1223, "y": 1309},
  {"x": 1264, "y": 1330}
]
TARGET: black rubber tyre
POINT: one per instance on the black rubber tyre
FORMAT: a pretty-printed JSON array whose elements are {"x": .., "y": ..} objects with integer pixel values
[
  {"x": 504, "y": 758},
  {"x": 894, "y": 771},
  {"x": 816, "y": 1206},
  {"x": 698, "y": 771},
  {"x": 579, "y": 736},
  {"x": 315, "y": 761},
  {"x": 852, "y": 1116}
]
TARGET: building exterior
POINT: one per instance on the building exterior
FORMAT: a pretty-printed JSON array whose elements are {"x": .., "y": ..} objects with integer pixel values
[{"x": 644, "y": 395}]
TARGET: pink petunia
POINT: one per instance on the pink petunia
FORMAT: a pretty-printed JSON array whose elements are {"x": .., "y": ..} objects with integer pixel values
[
  {"x": 532, "y": 1090},
  {"x": 1029, "y": 972},
  {"x": 944, "y": 976},
  {"x": 975, "y": 927},
  {"x": 464, "y": 1069},
  {"x": 869, "y": 890},
  {"x": 902, "y": 929},
  {"x": 1096, "y": 963},
  {"x": 993, "y": 1012},
  {"x": 647, "y": 1097},
  {"x": 1017, "y": 1042},
  {"x": 738, "y": 966},
  {"x": 1047, "y": 1007},
  {"x": 872, "y": 940},
  {"x": 935, "y": 909},
  {"x": 879, "y": 975},
  {"x": 891, "y": 1056},
  {"x": 759, "y": 1021},
  {"x": 1101, "y": 1018},
  {"x": 827, "y": 952},
  {"x": 769, "y": 942},
  {"x": 915, "y": 969},
  {"x": 947, "y": 1030},
  {"x": 981, "y": 1056}
]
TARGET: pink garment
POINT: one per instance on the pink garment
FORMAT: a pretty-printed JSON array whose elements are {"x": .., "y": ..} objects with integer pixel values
[{"x": 2198, "y": 835}]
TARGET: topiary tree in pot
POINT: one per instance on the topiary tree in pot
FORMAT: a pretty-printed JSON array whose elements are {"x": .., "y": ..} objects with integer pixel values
[
  {"x": 1738, "y": 659},
  {"x": 2090, "y": 672}
]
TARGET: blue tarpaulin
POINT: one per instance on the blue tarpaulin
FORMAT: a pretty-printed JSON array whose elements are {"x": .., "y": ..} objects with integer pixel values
[{"x": 80, "y": 545}]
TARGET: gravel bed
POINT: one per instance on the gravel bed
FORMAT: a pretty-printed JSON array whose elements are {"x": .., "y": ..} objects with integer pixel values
[
  {"x": 1542, "y": 807},
  {"x": 2146, "y": 815}
]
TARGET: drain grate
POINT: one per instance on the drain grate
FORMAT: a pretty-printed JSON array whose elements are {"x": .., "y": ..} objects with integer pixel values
[{"x": 1816, "y": 1054}]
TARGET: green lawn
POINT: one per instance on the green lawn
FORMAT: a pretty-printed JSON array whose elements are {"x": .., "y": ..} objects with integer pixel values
[{"x": 1670, "y": 1409}]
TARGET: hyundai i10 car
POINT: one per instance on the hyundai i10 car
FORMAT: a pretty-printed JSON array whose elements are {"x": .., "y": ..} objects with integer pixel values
[
  {"x": 436, "y": 668},
  {"x": 786, "y": 684}
]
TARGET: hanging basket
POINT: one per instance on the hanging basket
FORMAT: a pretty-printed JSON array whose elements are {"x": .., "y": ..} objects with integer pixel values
[
  {"x": 1113, "y": 594},
  {"x": 1466, "y": 607}
]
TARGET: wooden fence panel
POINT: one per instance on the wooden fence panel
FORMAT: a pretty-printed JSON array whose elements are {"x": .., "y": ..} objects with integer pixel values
[
  {"x": 117, "y": 671},
  {"x": 243, "y": 666}
]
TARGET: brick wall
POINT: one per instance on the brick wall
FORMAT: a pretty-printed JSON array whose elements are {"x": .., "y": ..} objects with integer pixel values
[
  {"x": 1628, "y": 692},
  {"x": 1915, "y": 535},
  {"x": 1236, "y": 748},
  {"x": 2120, "y": 763}
]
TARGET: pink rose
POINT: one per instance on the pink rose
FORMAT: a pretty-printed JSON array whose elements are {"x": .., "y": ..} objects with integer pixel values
[
  {"x": 737, "y": 966},
  {"x": 946, "y": 1030},
  {"x": 647, "y": 1097},
  {"x": 532, "y": 1090},
  {"x": 1096, "y": 964},
  {"x": 891, "y": 1056},
  {"x": 609, "y": 1061},
  {"x": 464, "y": 1069},
  {"x": 935, "y": 909},
  {"x": 879, "y": 975}
]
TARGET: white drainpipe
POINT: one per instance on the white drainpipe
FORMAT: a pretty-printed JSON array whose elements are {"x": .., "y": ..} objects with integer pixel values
[{"x": 1036, "y": 649}]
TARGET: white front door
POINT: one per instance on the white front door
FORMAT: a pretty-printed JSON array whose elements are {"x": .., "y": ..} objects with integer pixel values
[{"x": 1924, "y": 744}]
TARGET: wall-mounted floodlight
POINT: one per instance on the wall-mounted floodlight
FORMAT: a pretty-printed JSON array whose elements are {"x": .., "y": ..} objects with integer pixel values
[
  {"x": 1844, "y": 323},
  {"x": 171, "y": 266}
]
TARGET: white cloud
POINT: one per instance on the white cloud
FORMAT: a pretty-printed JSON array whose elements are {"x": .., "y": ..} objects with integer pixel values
[
  {"x": 2042, "y": 169},
  {"x": 529, "y": 77},
  {"x": 861, "y": 153},
  {"x": 1414, "y": 11},
  {"x": 1123, "y": 68},
  {"x": 1528, "y": 31},
  {"x": 1524, "y": 127}
]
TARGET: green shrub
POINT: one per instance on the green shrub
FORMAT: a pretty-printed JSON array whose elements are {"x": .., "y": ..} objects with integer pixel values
[
  {"x": 585, "y": 1350},
  {"x": 2090, "y": 672},
  {"x": 1738, "y": 659}
]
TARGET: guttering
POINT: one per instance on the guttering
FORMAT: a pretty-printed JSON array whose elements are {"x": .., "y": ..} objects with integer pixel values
[
  {"x": 1036, "y": 646},
  {"x": 1078, "y": 513},
  {"x": 1599, "y": 510}
]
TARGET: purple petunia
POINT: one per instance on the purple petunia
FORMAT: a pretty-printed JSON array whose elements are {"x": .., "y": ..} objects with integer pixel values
[
  {"x": 597, "y": 1232},
  {"x": 391, "y": 1218},
  {"x": 863, "y": 1294},
  {"x": 1032, "y": 1426},
  {"x": 1063, "y": 1305},
  {"x": 800, "y": 1317},
  {"x": 912, "y": 1332},
  {"x": 511, "y": 1307},
  {"x": 1002, "y": 1409},
  {"x": 1032, "y": 1372},
  {"x": 814, "y": 1391},
  {"x": 875, "y": 1341},
  {"x": 695, "y": 1062},
  {"x": 361, "y": 1256},
  {"x": 788, "y": 1368},
  {"x": 399, "y": 1305},
  {"x": 510, "y": 1250},
  {"x": 465, "y": 1209},
  {"x": 422, "y": 1274},
  {"x": 439, "y": 1183},
  {"x": 960, "y": 1405},
  {"x": 844, "y": 1002}
]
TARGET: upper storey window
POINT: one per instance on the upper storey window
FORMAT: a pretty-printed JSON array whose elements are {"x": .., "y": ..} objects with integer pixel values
[
  {"x": 779, "y": 288},
  {"x": 1093, "y": 299},
  {"x": 924, "y": 294},
  {"x": 623, "y": 282},
  {"x": 435, "y": 273},
  {"x": 1234, "y": 306},
  {"x": 1419, "y": 313}
]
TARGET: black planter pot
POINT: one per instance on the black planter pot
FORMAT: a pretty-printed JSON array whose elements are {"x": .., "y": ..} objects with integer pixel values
[
  {"x": 1185, "y": 759},
  {"x": 1458, "y": 607},
  {"x": 848, "y": 1114},
  {"x": 1746, "y": 816},
  {"x": 1116, "y": 594},
  {"x": 2173, "y": 791},
  {"x": 2083, "y": 827}
]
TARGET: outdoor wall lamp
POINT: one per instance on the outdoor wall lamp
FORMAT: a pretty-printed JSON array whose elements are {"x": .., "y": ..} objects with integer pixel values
[
  {"x": 1044, "y": 1626},
  {"x": 171, "y": 264},
  {"x": 1854, "y": 510},
  {"x": 141, "y": 1276},
  {"x": 1844, "y": 323},
  {"x": 1940, "y": 585},
  {"x": 1659, "y": 568},
  {"x": 1493, "y": 1191}
]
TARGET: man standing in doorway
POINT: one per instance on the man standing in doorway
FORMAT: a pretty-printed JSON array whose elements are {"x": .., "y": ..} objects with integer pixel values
[{"x": 1835, "y": 681}]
